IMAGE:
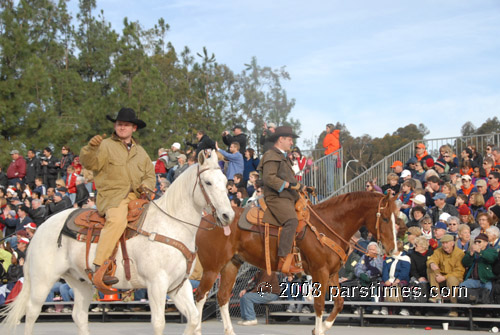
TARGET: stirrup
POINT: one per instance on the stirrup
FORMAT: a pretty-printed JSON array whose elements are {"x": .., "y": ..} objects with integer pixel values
[
  {"x": 285, "y": 265},
  {"x": 102, "y": 280}
]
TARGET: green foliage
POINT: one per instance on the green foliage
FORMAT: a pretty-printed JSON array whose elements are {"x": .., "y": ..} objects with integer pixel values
[{"x": 58, "y": 81}]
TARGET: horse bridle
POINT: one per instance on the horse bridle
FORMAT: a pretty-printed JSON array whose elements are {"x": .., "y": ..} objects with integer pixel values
[
  {"x": 351, "y": 243},
  {"x": 205, "y": 195}
]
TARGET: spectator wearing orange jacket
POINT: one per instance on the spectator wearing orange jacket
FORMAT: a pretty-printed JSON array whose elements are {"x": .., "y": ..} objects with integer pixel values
[{"x": 331, "y": 143}]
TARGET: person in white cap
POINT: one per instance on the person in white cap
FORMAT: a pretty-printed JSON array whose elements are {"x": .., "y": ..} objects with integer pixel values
[{"x": 173, "y": 154}]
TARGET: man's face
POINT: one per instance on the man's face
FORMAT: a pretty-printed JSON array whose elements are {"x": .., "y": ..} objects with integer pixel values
[
  {"x": 271, "y": 130},
  {"x": 286, "y": 142},
  {"x": 50, "y": 191},
  {"x": 434, "y": 186},
  {"x": 439, "y": 202},
  {"x": 464, "y": 154},
  {"x": 199, "y": 136},
  {"x": 372, "y": 251},
  {"x": 439, "y": 232},
  {"x": 46, "y": 153},
  {"x": 181, "y": 161},
  {"x": 232, "y": 148},
  {"x": 448, "y": 246},
  {"x": 14, "y": 156},
  {"x": 124, "y": 129},
  {"x": 482, "y": 189},
  {"x": 397, "y": 169},
  {"x": 464, "y": 235},
  {"x": 482, "y": 244},
  {"x": 492, "y": 180},
  {"x": 419, "y": 150},
  {"x": 35, "y": 204},
  {"x": 21, "y": 213},
  {"x": 237, "y": 131},
  {"x": 31, "y": 154},
  {"x": 57, "y": 198},
  {"x": 466, "y": 183}
]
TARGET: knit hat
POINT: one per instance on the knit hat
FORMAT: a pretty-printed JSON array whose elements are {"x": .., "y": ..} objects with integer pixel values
[
  {"x": 463, "y": 209},
  {"x": 24, "y": 240},
  {"x": 454, "y": 170},
  {"x": 441, "y": 163},
  {"x": 496, "y": 210},
  {"x": 429, "y": 162},
  {"x": 30, "y": 225},
  {"x": 444, "y": 217},
  {"x": 176, "y": 145}
]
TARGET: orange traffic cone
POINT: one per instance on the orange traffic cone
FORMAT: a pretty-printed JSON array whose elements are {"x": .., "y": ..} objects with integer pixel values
[{"x": 111, "y": 297}]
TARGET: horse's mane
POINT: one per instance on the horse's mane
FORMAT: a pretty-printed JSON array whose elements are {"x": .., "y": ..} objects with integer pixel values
[
  {"x": 346, "y": 202},
  {"x": 182, "y": 185}
]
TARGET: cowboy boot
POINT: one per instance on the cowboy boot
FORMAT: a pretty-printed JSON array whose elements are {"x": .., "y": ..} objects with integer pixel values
[
  {"x": 285, "y": 262},
  {"x": 106, "y": 278}
]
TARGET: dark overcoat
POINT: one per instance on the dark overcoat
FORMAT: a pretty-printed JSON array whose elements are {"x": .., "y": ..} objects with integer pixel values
[{"x": 277, "y": 169}]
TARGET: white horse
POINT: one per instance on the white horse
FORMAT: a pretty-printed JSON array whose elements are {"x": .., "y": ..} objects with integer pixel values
[{"x": 156, "y": 266}]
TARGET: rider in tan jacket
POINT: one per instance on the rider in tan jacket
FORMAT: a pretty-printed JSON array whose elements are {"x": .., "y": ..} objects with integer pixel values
[{"x": 120, "y": 167}]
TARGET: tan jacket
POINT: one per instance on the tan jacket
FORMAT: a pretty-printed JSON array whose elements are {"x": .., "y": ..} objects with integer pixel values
[
  {"x": 117, "y": 171},
  {"x": 449, "y": 264},
  {"x": 277, "y": 169}
]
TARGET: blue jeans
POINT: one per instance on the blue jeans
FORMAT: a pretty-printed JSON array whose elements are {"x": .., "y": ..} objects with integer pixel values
[
  {"x": 55, "y": 289},
  {"x": 67, "y": 293},
  {"x": 476, "y": 283},
  {"x": 249, "y": 299},
  {"x": 194, "y": 283}
]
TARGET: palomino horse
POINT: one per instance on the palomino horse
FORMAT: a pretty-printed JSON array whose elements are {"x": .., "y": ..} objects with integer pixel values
[
  {"x": 158, "y": 267},
  {"x": 344, "y": 214}
]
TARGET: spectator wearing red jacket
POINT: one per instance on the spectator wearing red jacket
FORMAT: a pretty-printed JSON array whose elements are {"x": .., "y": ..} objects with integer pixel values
[
  {"x": 71, "y": 183},
  {"x": 161, "y": 163},
  {"x": 17, "y": 168}
]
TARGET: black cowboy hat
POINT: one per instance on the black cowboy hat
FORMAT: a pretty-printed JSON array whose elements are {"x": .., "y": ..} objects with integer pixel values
[
  {"x": 282, "y": 131},
  {"x": 127, "y": 115}
]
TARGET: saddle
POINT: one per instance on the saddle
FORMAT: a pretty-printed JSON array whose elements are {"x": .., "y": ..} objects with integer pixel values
[
  {"x": 254, "y": 216},
  {"x": 86, "y": 225}
]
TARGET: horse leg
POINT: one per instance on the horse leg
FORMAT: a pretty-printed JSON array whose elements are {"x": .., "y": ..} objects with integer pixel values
[
  {"x": 157, "y": 294},
  {"x": 338, "y": 305},
  {"x": 38, "y": 289},
  {"x": 319, "y": 291},
  {"x": 83, "y": 297},
  {"x": 206, "y": 283},
  {"x": 184, "y": 301},
  {"x": 227, "y": 279}
]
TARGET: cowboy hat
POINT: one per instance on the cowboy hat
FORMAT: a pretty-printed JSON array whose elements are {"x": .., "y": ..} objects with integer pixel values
[
  {"x": 127, "y": 115},
  {"x": 282, "y": 131}
]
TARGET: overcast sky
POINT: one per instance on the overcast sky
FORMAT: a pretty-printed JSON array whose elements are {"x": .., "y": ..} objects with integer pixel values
[{"x": 372, "y": 65}]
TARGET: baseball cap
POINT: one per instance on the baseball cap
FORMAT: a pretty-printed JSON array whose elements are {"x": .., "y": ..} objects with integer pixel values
[
  {"x": 454, "y": 170},
  {"x": 439, "y": 196},
  {"x": 481, "y": 236},
  {"x": 176, "y": 145},
  {"x": 396, "y": 163},
  {"x": 444, "y": 217},
  {"x": 24, "y": 240},
  {"x": 14, "y": 152},
  {"x": 440, "y": 225},
  {"x": 466, "y": 177},
  {"x": 480, "y": 182},
  {"x": 58, "y": 194},
  {"x": 271, "y": 125},
  {"x": 405, "y": 173},
  {"x": 182, "y": 156},
  {"x": 420, "y": 145},
  {"x": 412, "y": 160},
  {"x": 62, "y": 189}
]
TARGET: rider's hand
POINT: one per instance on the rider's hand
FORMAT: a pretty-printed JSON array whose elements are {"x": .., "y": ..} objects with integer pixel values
[
  {"x": 96, "y": 140},
  {"x": 295, "y": 186},
  {"x": 311, "y": 189}
]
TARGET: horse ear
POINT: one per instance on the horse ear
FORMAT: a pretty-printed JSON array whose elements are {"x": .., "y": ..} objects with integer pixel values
[{"x": 201, "y": 157}]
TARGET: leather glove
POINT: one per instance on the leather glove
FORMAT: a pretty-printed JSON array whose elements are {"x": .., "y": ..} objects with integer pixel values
[
  {"x": 96, "y": 140},
  {"x": 295, "y": 186},
  {"x": 311, "y": 189}
]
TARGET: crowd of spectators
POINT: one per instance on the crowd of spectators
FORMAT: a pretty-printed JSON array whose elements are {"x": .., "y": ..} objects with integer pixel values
[{"x": 447, "y": 227}]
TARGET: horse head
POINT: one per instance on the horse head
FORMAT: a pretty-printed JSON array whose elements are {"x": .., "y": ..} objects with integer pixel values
[
  {"x": 212, "y": 183},
  {"x": 385, "y": 229}
]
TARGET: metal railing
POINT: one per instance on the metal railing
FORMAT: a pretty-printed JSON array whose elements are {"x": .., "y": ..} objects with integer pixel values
[
  {"x": 380, "y": 170},
  {"x": 326, "y": 174}
]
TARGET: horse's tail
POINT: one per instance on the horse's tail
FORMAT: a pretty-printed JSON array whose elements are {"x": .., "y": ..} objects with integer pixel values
[{"x": 17, "y": 309}]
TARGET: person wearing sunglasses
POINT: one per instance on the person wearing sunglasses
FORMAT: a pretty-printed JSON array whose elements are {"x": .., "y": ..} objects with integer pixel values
[
  {"x": 478, "y": 262},
  {"x": 493, "y": 181}
]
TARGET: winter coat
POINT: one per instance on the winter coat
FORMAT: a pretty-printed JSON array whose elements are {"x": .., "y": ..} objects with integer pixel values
[
  {"x": 235, "y": 165},
  {"x": 484, "y": 261},
  {"x": 241, "y": 139},
  {"x": 117, "y": 170},
  {"x": 449, "y": 264},
  {"x": 17, "y": 168},
  {"x": 276, "y": 170},
  {"x": 33, "y": 169},
  {"x": 249, "y": 165},
  {"x": 396, "y": 267},
  {"x": 331, "y": 142}
]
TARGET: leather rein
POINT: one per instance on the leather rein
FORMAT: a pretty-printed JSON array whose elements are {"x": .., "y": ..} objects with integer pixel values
[
  {"x": 350, "y": 242},
  {"x": 205, "y": 195}
]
